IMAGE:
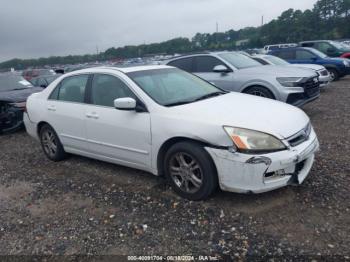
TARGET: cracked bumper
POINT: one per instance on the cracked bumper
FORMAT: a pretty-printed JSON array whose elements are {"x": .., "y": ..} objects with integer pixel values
[{"x": 275, "y": 170}]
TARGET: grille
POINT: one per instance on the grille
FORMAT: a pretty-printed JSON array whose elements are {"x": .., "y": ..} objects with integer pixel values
[
  {"x": 312, "y": 87},
  {"x": 300, "y": 137}
]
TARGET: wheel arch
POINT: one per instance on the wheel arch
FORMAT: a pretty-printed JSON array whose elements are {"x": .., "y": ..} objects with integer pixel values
[
  {"x": 40, "y": 126},
  {"x": 168, "y": 144},
  {"x": 245, "y": 89}
]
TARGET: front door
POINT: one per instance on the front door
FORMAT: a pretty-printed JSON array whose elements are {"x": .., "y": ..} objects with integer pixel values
[{"x": 122, "y": 136}]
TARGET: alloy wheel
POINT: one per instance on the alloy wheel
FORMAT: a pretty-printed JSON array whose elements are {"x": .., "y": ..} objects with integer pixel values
[
  {"x": 186, "y": 172},
  {"x": 49, "y": 143}
]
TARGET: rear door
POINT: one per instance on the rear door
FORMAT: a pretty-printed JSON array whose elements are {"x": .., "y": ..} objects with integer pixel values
[
  {"x": 66, "y": 111},
  {"x": 305, "y": 57},
  {"x": 123, "y": 136}
]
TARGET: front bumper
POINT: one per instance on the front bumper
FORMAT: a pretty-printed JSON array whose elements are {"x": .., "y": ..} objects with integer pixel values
[
  {"x": 11, "y": 119},
  {"x": 324, "y": 80},
  {"x": 238, "y": 173}
]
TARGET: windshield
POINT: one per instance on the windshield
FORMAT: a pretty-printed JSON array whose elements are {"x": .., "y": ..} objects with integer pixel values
[
  {"x": 276, "y": 60},
  {"x": 340, "y": 46},
  {"x": 172, "y": 86},
  {"x": 318, "y": 53},
  {"x": 239, "y": 61},
  {"x": 12, "y": 81}
]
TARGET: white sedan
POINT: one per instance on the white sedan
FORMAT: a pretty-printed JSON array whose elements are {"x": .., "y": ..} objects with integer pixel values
[{"x": 168, "y": 122}]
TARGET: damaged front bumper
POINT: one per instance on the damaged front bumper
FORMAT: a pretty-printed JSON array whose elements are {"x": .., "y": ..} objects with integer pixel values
[
  {"x": 11, "y": 117},
  {"x": 245, "y": 173}
]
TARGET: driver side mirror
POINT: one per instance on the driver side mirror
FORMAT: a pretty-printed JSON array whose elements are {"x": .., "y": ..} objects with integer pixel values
[
  {"x": 125, "y": 103},
  {"x": 221, "y": 69}
]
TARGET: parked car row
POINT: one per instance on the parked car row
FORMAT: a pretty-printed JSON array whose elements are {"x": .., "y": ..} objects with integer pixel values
[
  {"x": 328, "y": 47},
  {"x": 233, "y": 71},
  {"x": 203, "y": 121},
  {"x": 337, "y": 67}
]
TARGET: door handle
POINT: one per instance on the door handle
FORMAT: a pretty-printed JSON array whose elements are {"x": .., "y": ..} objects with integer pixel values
[
  {"x": 92, "y": 115},
  {"x": 51, "y": 108}
]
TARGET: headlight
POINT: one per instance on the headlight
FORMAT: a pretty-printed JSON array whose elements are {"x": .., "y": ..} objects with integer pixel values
[
  {"x": 250, "y": 141},
  {"x": 346, "y": 63},
  {"x": 289, "y": 81}
]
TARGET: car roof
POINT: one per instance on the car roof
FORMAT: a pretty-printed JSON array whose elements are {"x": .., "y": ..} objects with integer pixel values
[
  {"x": 124, "y": 70},
  {"x": 314, "y": 41}
]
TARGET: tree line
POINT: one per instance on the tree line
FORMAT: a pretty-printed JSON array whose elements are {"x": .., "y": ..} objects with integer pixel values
[{"x": 329, "y": 19}]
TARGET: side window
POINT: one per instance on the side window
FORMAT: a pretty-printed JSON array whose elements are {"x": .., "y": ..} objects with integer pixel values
[
  {"x": 183, "y": 63},
  {"x": 308, "y": 44},
  {"x": 261, "y": 61},
  {"x": 323, "y": 47},
  {"x": 204, "y": 64},
  {"x": 304, "y": 55},
  {"x": 72, "y": 89},
  {"x": 106, "y": 88},
  {"x": 286, "y": 54}
]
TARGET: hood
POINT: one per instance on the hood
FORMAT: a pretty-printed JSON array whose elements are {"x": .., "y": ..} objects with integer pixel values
[
  {"x": 244, "y": 111},
  {"x": 309, "y": 66},
  {"x": 278, "y": 71},
  {"x": 18, "y": 95}
]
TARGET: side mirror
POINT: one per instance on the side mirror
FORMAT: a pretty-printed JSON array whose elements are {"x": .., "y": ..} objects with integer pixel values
[
  {"x": 221, "y": 69},
  {"x": 125, "y": 103},
  {"x": 314, "y": 58},
  {"x": 43, "y": 86}
]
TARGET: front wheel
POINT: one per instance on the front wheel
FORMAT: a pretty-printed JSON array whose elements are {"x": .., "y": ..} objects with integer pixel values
[
  {"x": 190, "y": 171},
  {"x": 259, "y": 91},
  {"x": 334, "y": 74},
  {"x": 51, "y": 144}
]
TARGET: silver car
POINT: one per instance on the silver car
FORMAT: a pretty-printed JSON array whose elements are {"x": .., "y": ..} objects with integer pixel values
[
  {"x": 323, "y": 74},
  {"x": 233, "y": 71}
]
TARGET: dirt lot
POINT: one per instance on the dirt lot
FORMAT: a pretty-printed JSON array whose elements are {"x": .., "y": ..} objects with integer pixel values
[{"x": 83, "y": 206}]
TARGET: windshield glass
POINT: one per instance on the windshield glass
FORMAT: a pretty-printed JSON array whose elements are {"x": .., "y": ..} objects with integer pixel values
[
  {"x": 239, "y": 61},
  {"x": 318, "y": 53},
  {"x": 276, "y": 60},
  {"x": 10, "y": 81},
  {"x": 340, "y": 46},
  {"x": 171, "y": 86}
]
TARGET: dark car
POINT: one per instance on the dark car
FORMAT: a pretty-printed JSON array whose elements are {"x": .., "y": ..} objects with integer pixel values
[
  {"x": 330, "y": 48},
  {"x": 31, "y": 73},
  {"x": 14, "y": 91},
  {"x": 337, "y": 67},
  {"x": 43, "y": 81}
]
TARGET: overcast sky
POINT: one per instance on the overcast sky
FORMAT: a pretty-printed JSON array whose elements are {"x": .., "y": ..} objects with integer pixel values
[{"x": 41, "y": 28}]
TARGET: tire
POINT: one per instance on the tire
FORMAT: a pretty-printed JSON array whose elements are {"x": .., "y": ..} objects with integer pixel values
[
  {"x": 259, "y": 91},
  {"x": 51, "y": 144},
  {"x": 190, "y": 171},
  {"x": 334, "y": 74}
]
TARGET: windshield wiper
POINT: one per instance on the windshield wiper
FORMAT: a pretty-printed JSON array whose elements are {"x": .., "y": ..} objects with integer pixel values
[
  {"x": 179, "y": 103},
  {"x": 209, "y": 96},
  {"x": 20, "y": 88}
]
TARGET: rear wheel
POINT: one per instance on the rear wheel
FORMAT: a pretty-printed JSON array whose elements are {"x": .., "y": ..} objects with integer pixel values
[
  {"x": 190, "y": 171},
  {"x": 259, "y": 91},
  {"x": 334, "y": 74},
  {"x": 51, "y": 144}
]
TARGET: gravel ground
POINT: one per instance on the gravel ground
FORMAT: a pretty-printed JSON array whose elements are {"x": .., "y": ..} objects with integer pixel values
[{"x": 87, "y": 207}]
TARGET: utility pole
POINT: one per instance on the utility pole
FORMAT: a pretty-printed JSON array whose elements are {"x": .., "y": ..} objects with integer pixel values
[
  {"x": 262, "y": 20},
  {"x": 217, "y": 27}
]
